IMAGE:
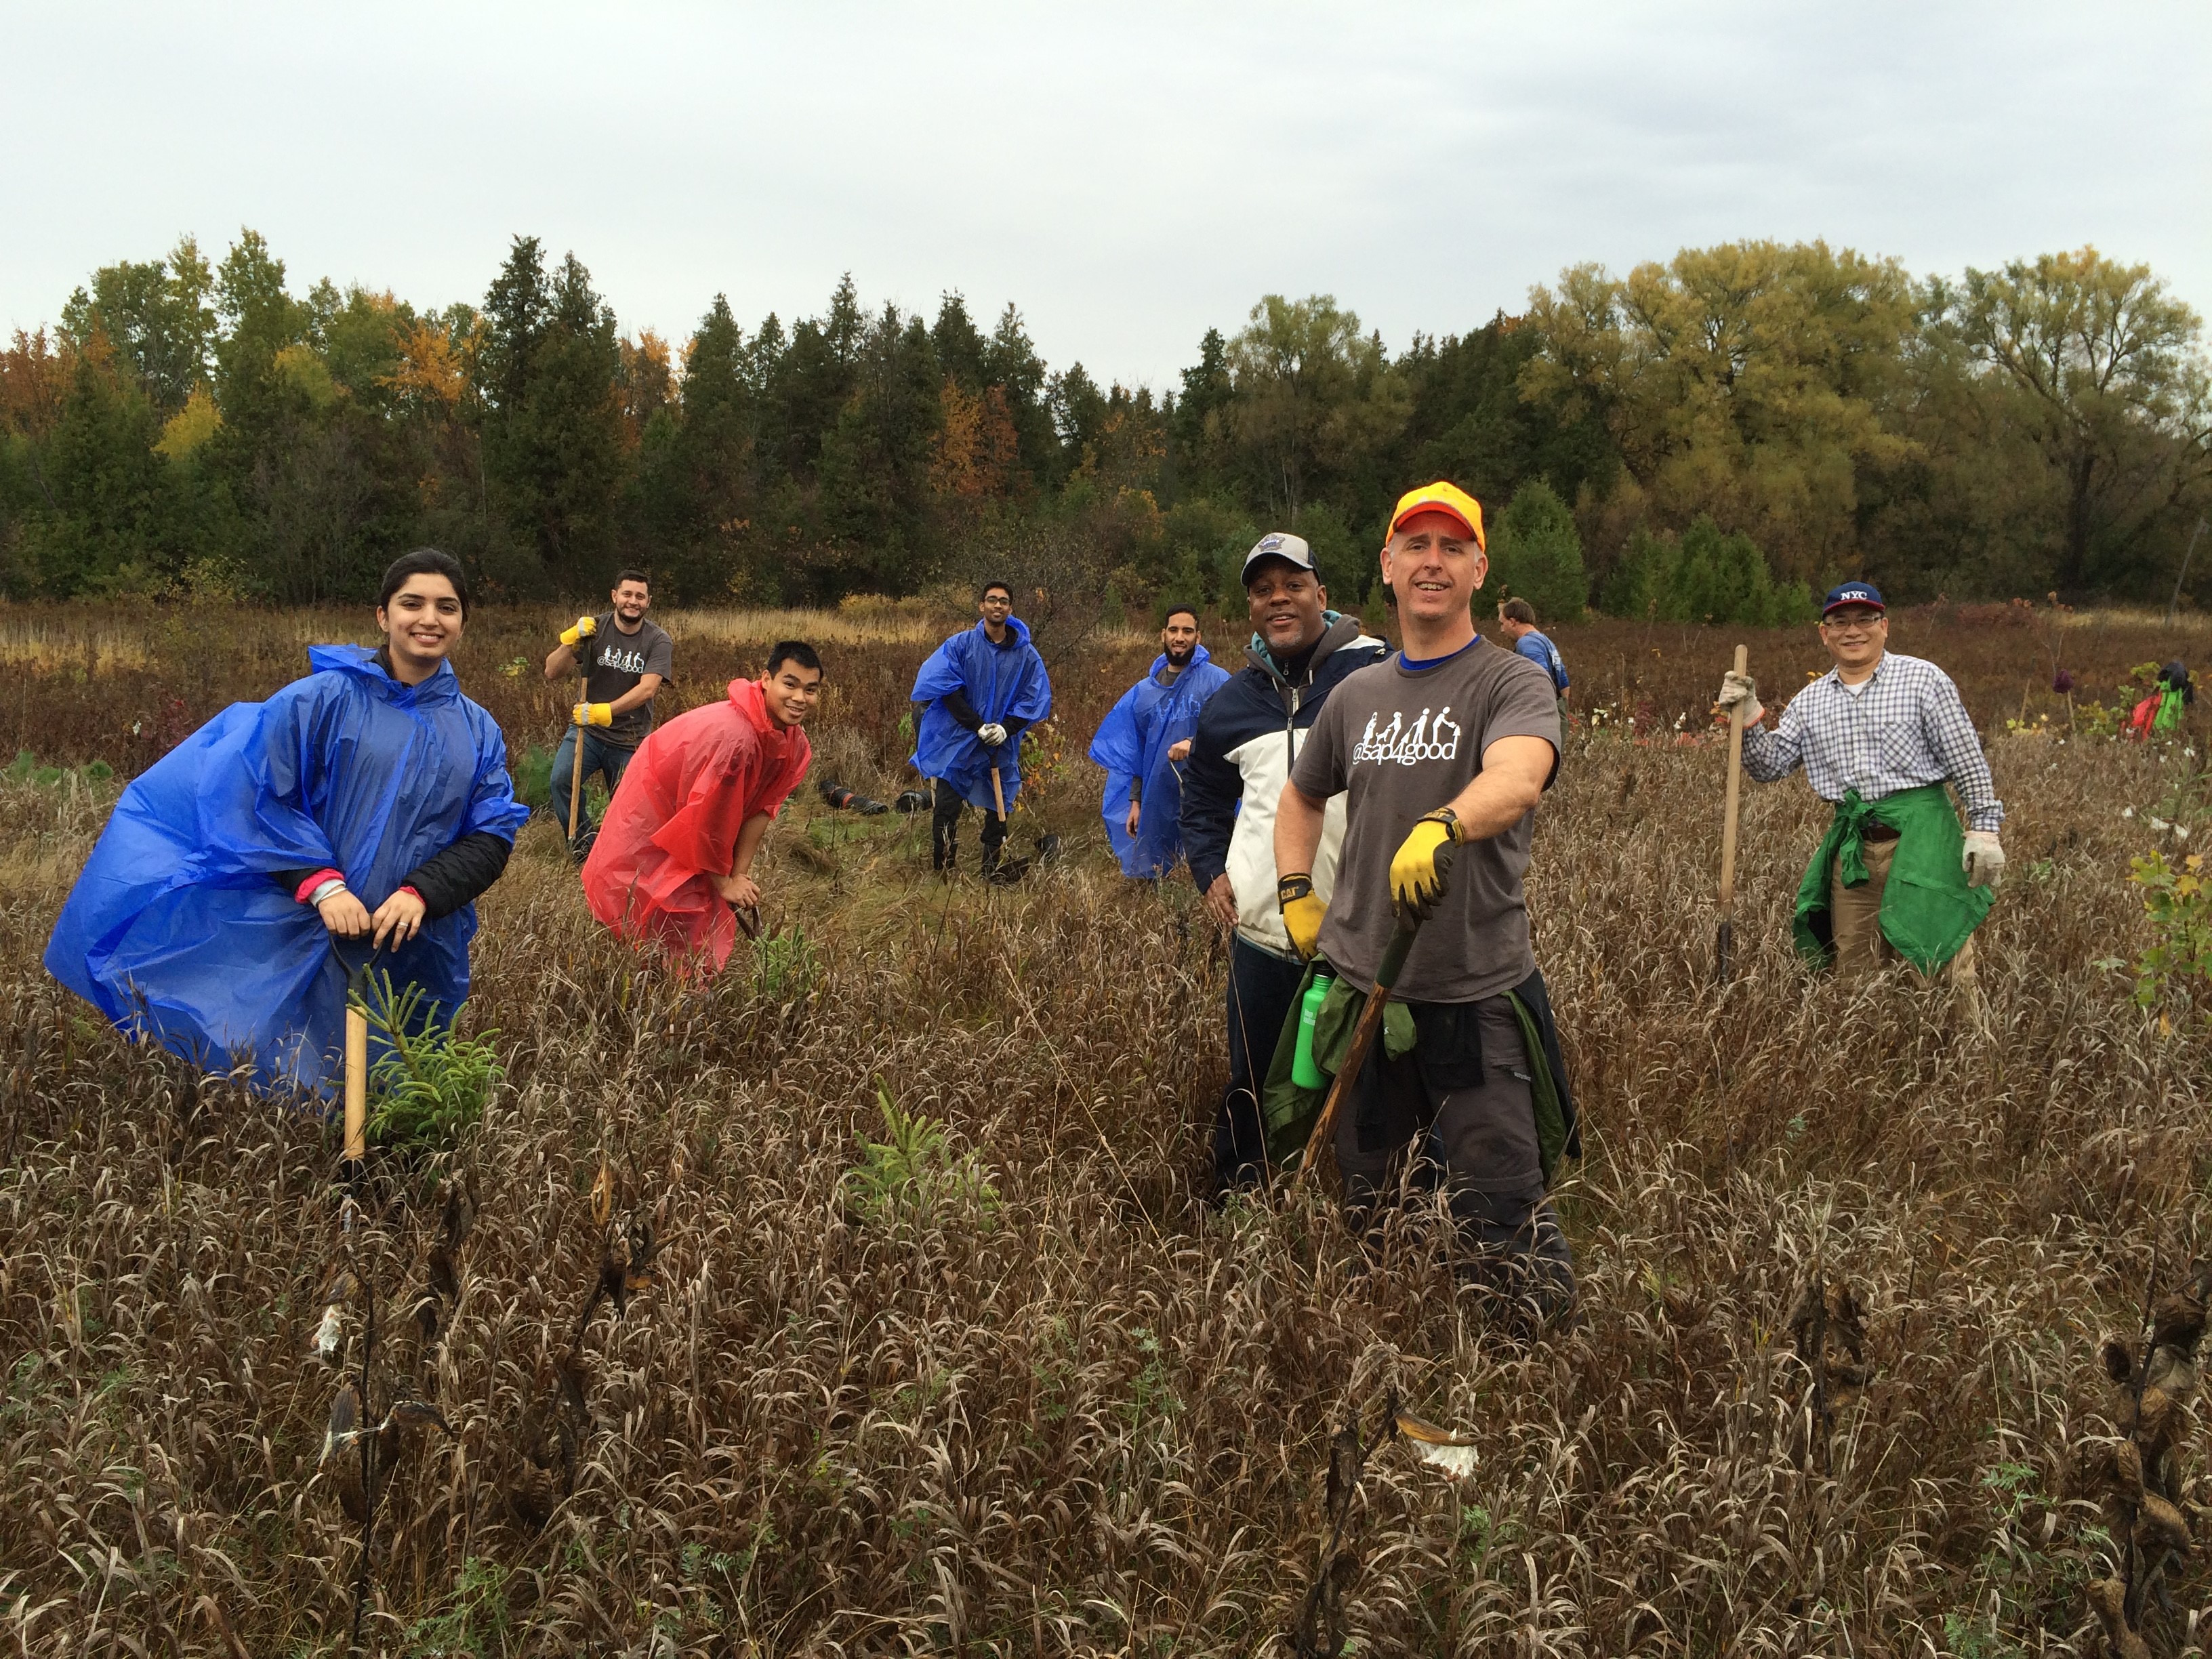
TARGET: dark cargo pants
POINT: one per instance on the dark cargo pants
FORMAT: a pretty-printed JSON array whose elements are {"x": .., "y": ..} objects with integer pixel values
[{"x": 1458, "y": 1111}]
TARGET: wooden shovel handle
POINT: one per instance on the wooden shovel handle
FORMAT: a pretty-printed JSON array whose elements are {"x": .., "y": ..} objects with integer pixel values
[
  {"x": 576, "y": 770},
  {"x": 1735, "y": 796}
]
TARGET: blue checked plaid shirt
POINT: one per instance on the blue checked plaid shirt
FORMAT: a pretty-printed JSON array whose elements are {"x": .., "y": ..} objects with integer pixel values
[{"x": 1906, "y": 729}]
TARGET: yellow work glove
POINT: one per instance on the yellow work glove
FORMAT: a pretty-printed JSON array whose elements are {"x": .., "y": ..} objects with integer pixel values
[
  {"x": 1301, "y": 912},
  {"x": 594, "y": 714},
  {"x": 1422, "y": 862},
  {"x": 584, "y": 629}
]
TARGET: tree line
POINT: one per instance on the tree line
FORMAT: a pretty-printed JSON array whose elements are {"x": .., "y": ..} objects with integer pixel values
[{"x": 1717, "y": 435}]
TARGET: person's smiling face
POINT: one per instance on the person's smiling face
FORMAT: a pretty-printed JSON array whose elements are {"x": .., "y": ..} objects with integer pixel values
[
  {"x": 1855, "y": 636},
  {"x": 1433, "y": 566},
  {"x": 421, "y": 623},
  {"x": 631, "y": 599},
  {"x": 1286, "y": 605},
  {"x": 791, "y": 693},
  {"x": 996, "y": 606},
  {"x": 1179, "y": 639}
]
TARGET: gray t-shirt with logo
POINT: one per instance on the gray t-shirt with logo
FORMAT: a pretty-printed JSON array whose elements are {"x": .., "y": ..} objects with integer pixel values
[
  {"x": 617, "y": 661},
  {"x": 1404, "y": 745}
]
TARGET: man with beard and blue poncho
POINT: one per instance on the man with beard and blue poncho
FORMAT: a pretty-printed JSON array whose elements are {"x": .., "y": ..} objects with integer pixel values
[
  {"x": 211, "y": 913},
  {"x": 1142, "y": 742},
  {"x": 980, "y": 690}
]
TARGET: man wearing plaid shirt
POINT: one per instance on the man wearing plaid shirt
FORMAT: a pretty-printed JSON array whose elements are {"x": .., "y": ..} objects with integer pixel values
[{"x": 1879, "y": 736}]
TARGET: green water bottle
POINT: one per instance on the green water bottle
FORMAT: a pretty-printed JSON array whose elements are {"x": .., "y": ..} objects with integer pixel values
[{"x": 1304, "y": 1072}]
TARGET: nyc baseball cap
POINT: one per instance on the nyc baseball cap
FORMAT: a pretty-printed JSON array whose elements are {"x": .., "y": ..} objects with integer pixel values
[
  {"x": 1864, "y": 593},
  {"x": 1278, "y": 544},
  {"x": 1441, "y": 497}
]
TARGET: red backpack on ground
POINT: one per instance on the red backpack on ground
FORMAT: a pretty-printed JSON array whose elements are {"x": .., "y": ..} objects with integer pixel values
[{"x": 2141, "y": 717}]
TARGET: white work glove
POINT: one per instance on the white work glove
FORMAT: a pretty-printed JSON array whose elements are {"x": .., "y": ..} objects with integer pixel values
[
  {"x": 1740, "y": 688},
  {"x": 1984, "y": 858},
  {"x": 992, "y": 733}
]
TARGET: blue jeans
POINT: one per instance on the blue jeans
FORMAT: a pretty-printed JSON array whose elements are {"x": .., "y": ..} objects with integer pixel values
[{"x": 609, "y": 760}]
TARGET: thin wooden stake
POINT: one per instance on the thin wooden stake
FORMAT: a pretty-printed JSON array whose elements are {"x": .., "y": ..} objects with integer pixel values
[{"x": 1724, "y": 936}]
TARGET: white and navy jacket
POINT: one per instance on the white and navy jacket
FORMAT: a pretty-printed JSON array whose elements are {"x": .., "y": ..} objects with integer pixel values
[{"x": 1248, "y": 735}]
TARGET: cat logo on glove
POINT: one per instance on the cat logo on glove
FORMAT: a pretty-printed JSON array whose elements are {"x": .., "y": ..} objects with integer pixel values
[{"x": 1427, "y": 740}]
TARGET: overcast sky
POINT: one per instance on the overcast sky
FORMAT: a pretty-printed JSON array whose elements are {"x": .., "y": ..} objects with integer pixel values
[{"x": 1128, "y": 174}]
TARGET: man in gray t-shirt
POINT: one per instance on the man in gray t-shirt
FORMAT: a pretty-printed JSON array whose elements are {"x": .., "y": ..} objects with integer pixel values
[
  {"x": 624, "y": 661},
  {"x": 1442, "y": 753},
  {"x": 1404, "y": 740}
]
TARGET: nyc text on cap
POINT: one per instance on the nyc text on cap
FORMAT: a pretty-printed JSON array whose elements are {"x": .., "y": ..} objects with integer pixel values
[{"x": 1864, "y": 593}]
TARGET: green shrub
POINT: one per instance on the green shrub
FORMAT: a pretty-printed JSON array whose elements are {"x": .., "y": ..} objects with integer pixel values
[
  {"x": 913, "y": 1176},
  {"x": 534, "y": 778},
  {"x": 428, "y": 1086},
  {"x": 2177, "y": 966},
  {"x": 786, "y": 965},
  {"x": 1537, "y": 555},
  {"x": 1705, "y": 576}
]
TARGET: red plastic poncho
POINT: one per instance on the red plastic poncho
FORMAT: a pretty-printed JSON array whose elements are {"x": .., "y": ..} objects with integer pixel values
[{"x": 674, "y": 822}]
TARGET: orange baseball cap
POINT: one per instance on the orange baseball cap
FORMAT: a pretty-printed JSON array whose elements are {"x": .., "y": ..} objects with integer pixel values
[{"x": 1441, "y": 497}]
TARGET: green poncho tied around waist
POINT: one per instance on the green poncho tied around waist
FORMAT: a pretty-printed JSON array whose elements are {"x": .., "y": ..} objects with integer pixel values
[
  {"x": 1927, "y": 911},
  {"x": 1288, "y": 1113}
]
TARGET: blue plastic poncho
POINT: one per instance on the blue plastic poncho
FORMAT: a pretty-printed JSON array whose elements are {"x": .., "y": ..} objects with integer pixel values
[
  {"x": 1002, "y": 682},
  {"x": 176, "y": 926},
  {"x": 1132, "y": 742}
]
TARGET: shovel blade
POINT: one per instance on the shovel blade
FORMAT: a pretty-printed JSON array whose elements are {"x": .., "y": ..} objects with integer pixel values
[{"x": 1724, "y": 951}]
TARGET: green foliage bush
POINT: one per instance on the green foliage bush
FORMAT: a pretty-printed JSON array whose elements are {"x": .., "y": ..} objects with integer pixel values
[
  {"x": 1702, "y": 576},
  {"x": 2178, "y": 964},
  {"x": 914, "y": 1176},
  {"x": 428, "y": 1087},
  {"x": 787, "y": 963},
  {"x": 1536, "y": 555}
]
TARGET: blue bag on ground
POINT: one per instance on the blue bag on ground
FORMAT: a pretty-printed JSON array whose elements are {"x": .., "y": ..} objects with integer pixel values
[
  {"x": 1002, "y": 682},
  {"x": 1132, "y": 742},
  {"x": 178, "y": 928}
]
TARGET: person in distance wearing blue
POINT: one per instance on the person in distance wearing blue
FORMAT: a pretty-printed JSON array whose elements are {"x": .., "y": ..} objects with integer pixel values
[{"x": 1143, "y": 741}]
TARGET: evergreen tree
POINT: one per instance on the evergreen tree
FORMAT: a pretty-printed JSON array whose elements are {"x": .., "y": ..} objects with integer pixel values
[
  {"x": 553, "y": 423},
  {"x": 1536, "y": 554}
]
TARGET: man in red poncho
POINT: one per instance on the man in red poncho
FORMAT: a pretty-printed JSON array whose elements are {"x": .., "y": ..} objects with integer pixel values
[{"x": 676, "y": 852}]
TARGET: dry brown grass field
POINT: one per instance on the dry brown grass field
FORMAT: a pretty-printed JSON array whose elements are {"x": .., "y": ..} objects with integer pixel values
[{"x": 1045, "y": 1400}]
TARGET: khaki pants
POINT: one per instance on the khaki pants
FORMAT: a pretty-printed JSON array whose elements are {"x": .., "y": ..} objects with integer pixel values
[{"x": 1855, "y": 914}]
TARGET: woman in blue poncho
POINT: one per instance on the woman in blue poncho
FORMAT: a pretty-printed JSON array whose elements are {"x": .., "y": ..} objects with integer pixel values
[
  {"x": 367, "y": 804},
  {"x": 982, "y": 690}
]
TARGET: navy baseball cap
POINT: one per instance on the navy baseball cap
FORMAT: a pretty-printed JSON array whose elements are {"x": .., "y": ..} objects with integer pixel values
[
  {"x": 1864, "y": 593},
  {"x": 1278, "y": 544}
]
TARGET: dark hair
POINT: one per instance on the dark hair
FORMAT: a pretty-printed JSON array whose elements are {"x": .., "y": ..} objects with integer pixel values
[
  {"x": 632, "y": 573},
  {"x": 984, "y": 592},
  {"x": 1174, "y": 611},
  {"x": 423, "y": 561},
  {"x": 1518, "y": 611},
  {"x": 798, "y": 651}
]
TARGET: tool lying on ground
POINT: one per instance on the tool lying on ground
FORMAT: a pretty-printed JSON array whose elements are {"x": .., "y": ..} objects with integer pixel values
[
  {"x": 1724, "y": 935},
  {"x": 1323, "y": 1137},
  {"x": 848, "y": 800}
]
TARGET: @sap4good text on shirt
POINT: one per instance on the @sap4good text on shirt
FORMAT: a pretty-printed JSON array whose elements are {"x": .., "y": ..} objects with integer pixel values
[{"x": 1426, "y": 740}]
